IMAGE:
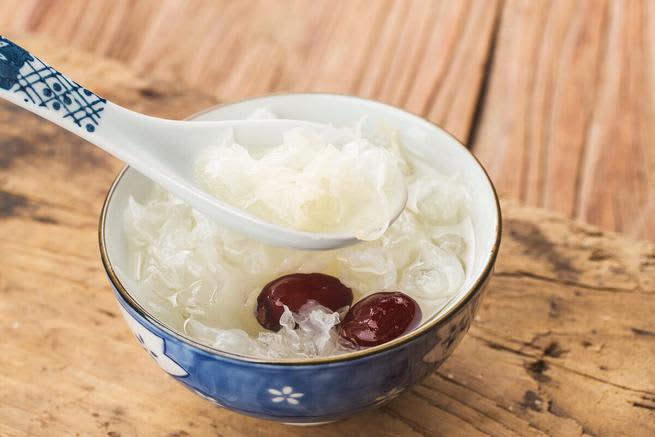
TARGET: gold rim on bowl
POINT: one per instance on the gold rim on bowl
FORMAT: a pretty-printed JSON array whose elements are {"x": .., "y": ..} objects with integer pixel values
[{"x": 435, "y": 320}]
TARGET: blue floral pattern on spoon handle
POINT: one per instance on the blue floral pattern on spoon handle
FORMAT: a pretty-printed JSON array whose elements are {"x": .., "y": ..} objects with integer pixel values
[{"x": 42, "y": 85}]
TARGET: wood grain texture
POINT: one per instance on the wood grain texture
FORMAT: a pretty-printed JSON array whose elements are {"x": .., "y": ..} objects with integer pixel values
[
  {"x": 564, "y": 343},
  {"x": 425, "y": 55},
  {"x": 569, "y": 115}
]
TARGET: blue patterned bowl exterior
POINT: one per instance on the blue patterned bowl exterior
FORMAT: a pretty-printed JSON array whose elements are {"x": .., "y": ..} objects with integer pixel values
[
  {"x": 317, "y": 390},
  {"x": 309, "y": 393}
]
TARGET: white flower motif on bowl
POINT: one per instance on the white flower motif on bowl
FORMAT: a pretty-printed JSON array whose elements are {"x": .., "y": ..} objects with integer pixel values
[
  {"x": 154, "y": 345},
  {"x": 285, "y": 394}
]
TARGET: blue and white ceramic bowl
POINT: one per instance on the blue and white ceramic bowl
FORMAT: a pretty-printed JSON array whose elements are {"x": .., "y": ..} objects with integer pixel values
[{"x": 324, "y": 389}]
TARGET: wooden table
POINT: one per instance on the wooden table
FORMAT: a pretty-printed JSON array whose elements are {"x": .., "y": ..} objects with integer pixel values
[{"x": 563, "y": 345}]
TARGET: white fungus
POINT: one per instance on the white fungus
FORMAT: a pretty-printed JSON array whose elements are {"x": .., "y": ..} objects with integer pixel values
[
  {"x": 325, "y": 179},
  {"x": 203, "y": 280}
]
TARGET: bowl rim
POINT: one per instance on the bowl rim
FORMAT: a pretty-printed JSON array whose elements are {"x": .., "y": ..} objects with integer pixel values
[{"x": 434, "y": 321}]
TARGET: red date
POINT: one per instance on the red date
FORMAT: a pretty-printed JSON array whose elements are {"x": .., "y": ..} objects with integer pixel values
[
  {"x": 296, "y": 290},
  {"x": 379, "y": 318}
]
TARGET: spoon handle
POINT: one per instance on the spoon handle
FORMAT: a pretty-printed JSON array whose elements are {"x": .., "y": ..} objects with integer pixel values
[
  {"x": 134, "y": 138},
  {"x": 27, "y": 81},
  {"x": 34, "y": 85}
]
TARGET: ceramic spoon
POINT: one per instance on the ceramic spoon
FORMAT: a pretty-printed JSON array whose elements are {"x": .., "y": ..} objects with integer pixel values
[{"x": 163, "y": 150}]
